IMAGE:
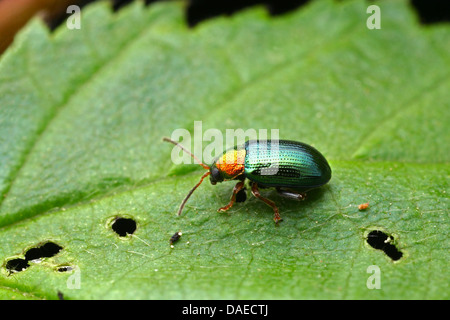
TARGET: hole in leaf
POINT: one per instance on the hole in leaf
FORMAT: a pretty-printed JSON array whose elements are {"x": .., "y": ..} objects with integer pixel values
[
  {"x": 16, "y": 265},
  {"x": 47, "y": 250},
  {"x": 379, "y": 240},
  {"x": 64, "y": 269},
  {"x": 124, "y": 226}
]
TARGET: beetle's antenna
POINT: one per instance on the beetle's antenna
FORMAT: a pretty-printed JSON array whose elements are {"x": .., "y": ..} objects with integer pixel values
[
  {"x": 207, "y": 173},
  {"x": 188, "y": 152}
]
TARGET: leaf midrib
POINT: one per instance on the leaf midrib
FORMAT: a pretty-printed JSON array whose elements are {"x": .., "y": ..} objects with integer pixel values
[{"x": 113, "y": 194}]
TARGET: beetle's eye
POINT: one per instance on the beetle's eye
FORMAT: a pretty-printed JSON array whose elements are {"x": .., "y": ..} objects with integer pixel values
[{"x": 215, "y": 175}]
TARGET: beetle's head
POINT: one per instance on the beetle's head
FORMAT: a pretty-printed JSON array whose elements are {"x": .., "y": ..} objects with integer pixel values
[
  {"x": 225, "y": 167},
  {"x": 215, "y": 176},
  {"x": 228, "y": 166}
]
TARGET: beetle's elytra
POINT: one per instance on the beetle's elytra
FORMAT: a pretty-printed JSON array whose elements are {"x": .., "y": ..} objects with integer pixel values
[{"x": 289, "y": 166}]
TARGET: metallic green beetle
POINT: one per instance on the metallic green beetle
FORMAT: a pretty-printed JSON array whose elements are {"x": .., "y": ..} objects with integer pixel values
[{"x": 289, "y": 166}]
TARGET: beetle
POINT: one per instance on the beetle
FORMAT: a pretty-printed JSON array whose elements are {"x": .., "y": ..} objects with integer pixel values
[{"x": 291, "y": 167}]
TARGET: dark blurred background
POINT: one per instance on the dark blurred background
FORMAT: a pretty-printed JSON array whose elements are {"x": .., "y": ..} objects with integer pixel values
[{"x": 14, "y": 14}]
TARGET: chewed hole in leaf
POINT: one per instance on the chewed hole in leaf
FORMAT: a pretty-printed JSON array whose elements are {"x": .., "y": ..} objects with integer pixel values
[
  {"x": 124, "y": 226},
  {"x": 16, "y": 265},
  {"x": 65, "y": 269},
  {"x": 379, "y": 240},
  {"x": 47, "y": 250}
]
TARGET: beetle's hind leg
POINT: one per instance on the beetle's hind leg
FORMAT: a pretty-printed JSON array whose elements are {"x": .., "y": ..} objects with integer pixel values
[
  {"x": 292, "y": 194},
  {"x": 255, "y": 192},
  {"x": 238, "y": 187}
]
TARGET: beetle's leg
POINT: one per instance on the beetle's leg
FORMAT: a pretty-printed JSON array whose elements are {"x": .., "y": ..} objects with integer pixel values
[
  {"x": 241, "y": 196},
  {"x": 236, "y": 189},
  {"x": 291, "y": 194},
  {"x": 255, "y": 192}
]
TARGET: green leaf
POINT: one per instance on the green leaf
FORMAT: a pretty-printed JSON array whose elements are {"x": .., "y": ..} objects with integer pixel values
[{"x": 83, "y": 113}]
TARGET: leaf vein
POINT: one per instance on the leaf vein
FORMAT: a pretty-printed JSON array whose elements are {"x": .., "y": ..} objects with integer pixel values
[{"x": 57, "y": 109}]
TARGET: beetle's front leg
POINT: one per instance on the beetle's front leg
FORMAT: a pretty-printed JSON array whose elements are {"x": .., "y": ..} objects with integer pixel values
[
  {"x": 256, "y": 193},
  {"x": 236, "y": 189}
]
